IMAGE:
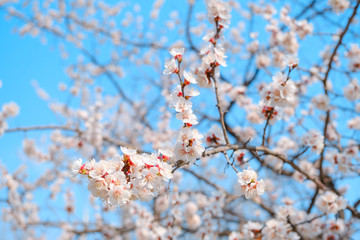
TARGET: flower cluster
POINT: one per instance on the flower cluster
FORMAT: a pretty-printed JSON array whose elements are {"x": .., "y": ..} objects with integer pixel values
[
  {"x": 240, "y": 159},
  {"x": 146, "y": 226},
  {"x": 335, "y": 229},
  {"x": 275, "y": 229},
  {"x": 248, "y": 185},
  {"x": 98, "y": 117},
  {"x": 128, "y": 177},
  {"x": 313, "y": 139},
  {"x": 302, "y": 28},
  {"x": 309, "y": 226},
  {"x": 321, "y": 102},
  {"x": 307, "y": 167},
  {"x": 342, "y": 160},
  {"x": 354, "y": 57},
  {"x": 252, "y": 230},
  {"x": 219, "y": 11},
  {"x": 352, "y": 91},
  {"x": 193, "y": 219},
  {"x": 276, "y": 95},
  {"x": 329, "y": 202},
  {"x": 188, "y": 146},
  {"x": 354, "y": 123},
  {"x": 213, "y": 53},
  {"x": 280, "y": 93},
  {"x": 215, "y": 137},
  {"x": 10, "y": 109},
  {"x": 339, "y": 5}
]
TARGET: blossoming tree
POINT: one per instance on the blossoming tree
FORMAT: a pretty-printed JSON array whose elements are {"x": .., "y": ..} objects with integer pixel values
[{"x": 195, "y": 120}]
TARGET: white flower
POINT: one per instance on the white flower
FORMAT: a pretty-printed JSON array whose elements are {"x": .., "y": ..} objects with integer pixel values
[
  {"x": 171, "y": 67},
  {"x": 275, "y": 229},
  {"x": 128, "y": 151},
  {"x": 152, "y": 178},
  {"x": 190, "y": 209},
  {"x": 209, "y": 58},
  {"x": 321, "y": 102},
  {"x": 342, "y": 160},
  {"x": 215, "y": 136},
  {"x": 209, "y": 47},
  {"x": 253, "y": 46},
  {"x": 181, "y": 104},
  {"x": 119, "y": 195},
  {"x": 162, "y": 203},
  {"x": 89, "y": 165},
  {"x": 270, "y": 114},
  {"x": 336, "y": 226},
  {"x": 303, "y": 28},
  {"x": 281, "y": 92},
  {"x": 289, "y": 42},
  {"x": 76, "y": 167},
  {"x": 149, "y": 160},
  {"x": 329, "y": 202},
  {"x": 234, "y": 236},
  {"x": 313, "y": 139},
  {"x": 291, "y": 61},
  {"x": 253, "y": 114},
  {"x": 178, "y": 93},
  {"x": 177, "y": 52},
  {"x": 203, "y": 80},
  {"x": 278, "y": 59},
  {"x": 339, "y": 5},
  {"x": 165, "y": 154},
  {"x": 10, "y": 109},
  {"x": 252, "y": 230},
  {"x": 307, "y": 167},
  {"x": 188, "y": 146},
  {"x": 354, "y": 57},
  {"x": 99, "y": 170},
  {"x": 245, "y": 133},
  {"x": 248, "y": 185},
  {"x": 189, "y": 78},
  {"x": 98, "y": 188},
  {"x": 111, "y": 180},
  {"x": 165, "y": 170},
  {"x": 352, "y": 150},
  {"x": 220, "y": 11},
  {"x": 188, "y": 117},
  {"x": 239, "y": 157},
  {"x": 193, "y": 221},
  {"x": 29, "y": 148},
  {"x": 285, "y": 144},
  {"x": 352, "y": 91},
  {"x": 220, "y": 55},
  {"x": 263, "y": 61}
]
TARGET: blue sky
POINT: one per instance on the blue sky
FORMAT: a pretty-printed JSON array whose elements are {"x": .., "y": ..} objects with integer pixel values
[{"x": 25, "y": 59}]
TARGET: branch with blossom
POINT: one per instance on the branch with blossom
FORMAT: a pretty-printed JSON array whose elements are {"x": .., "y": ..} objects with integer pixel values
[{"x": 250, "y": 130}]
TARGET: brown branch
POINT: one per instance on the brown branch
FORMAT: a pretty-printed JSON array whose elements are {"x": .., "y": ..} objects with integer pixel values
[
  {"x": 313, "y": 200},
  {"x": 221, "y": 113},
  {"x": 341, "y": 37},
  {"x": 330, "y": 64},
  {"x": 230, "y": 197},
  {"x": 229, "y": 162},
  {"x": 267, "y": 123},
  {"x": 198, "y": 176},
  {"x": 65, "y": 128},
  {"x": 280, "y": 156}
]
